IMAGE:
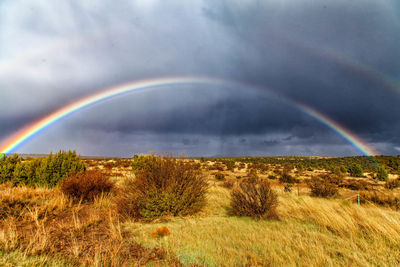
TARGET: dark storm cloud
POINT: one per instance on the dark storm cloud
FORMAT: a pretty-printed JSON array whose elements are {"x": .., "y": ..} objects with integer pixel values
[
  {"x": 321, "y": 53},
  {"x": 361, "y": 31},
  {"x": 233, "y": 113}
]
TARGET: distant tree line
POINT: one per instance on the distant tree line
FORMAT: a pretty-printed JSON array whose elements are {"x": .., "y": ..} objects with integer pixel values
[
  {"x": 48, "y": 171},
  {"x": 354, "y": 165}
]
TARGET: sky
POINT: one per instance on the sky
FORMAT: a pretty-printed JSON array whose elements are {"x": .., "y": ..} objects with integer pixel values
[{"x": 339, "y": 57}]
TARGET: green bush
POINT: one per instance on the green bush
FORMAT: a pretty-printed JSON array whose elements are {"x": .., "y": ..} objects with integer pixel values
[
  {"x": 47, "y": 171},
  {"x": 336, "y": 170},
  {"x": 162, "y": 186},
  {"x": 7, "y": 167},
  {"x": 287, "y": 178},
  {"x": 255, "y": 198},
  {"x": 382, "y": 174},
  {"x": 355, "y": 170}
]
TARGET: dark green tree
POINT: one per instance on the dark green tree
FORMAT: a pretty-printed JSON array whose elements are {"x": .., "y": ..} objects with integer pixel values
[
  {"x": 382, "y": 174},
  {"x": 355, "y": 170}
]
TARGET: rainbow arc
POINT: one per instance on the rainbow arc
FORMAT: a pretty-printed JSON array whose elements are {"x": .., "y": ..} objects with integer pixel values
[{"x": 25, "y": 134}]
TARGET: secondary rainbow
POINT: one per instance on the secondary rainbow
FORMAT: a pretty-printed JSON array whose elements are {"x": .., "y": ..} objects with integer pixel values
[{"x": 28, "y": 132}]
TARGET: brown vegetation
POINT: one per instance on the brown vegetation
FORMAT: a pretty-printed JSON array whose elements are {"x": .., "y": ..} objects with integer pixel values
[
  {"x": 86, "y": 186},
  {"x": 220, "y": 176},
  {"x": 164, "y": 186},
  {"x": 381, "y": 199},
  {"x": 321, "y": 187},
  {"x": 85, "y": 234},
  {"x": 44, "y": 227},
  {"x": 228, "y": 183},
  {"x": 392, "y": 184},
  {"x": 255, "y": 198}
]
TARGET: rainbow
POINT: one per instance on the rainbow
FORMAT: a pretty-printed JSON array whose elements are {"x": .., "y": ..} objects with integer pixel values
[
  {"x": 28, "y": 132},
  {"x": 348, "y": 135}
]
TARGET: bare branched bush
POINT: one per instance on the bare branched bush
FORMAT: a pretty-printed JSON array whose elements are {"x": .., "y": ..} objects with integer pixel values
[
  {"x": 255, "y": 198},
  {"x": 321, "y": 187},
  {"x": 86, "y": 186},
  {"x": 287, "y": 178},
  {"x": 164, "y": 186},
  {"x": 354, "y": 184},
  {"x": 392, "y": 184}
]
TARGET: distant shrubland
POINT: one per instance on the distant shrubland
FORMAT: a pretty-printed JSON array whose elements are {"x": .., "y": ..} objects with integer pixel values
[{"x": 342, "y": 164}]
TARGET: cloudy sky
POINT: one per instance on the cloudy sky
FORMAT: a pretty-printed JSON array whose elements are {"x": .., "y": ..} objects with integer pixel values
[{"x": 339, "y": 57}]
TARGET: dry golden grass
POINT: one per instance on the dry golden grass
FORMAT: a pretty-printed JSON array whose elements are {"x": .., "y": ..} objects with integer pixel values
[
  {"x": 49, "y": 228},
  {"x": 41, "y": 227},
  {"x": 312, "y": 231}
]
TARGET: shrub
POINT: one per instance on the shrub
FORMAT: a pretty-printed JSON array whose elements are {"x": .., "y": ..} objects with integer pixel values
[
  {"x": 334, "y": 179},
  {"x": 7, "y": 167},
  {"x": 47, "y": 171},
  {"x": 252, "y": 173},
  {"x": 228, "y": 183},
  {"x": 160, "y": 232},
  {"x": 86, "y": 186},
  {"x": 272, "y": 177},
  {"x": 230, "y": 165},
  {"x": 255, "y": 198},
  {"x": 216, "y": 166},
  {"x": 355, "y": 170},
  {"x": 381, "y": 174},
  {"x": 109, "y": 165},
  {"x": 241, "y": 165},
  {"x": 220, "y": 176},
  {"x": 337, "y": 171},
  {"x": 287, "y": 178},
  {"x": 386, "y": 200},
  {"x": 322, "y": 187},
  {"x": 392, "y": 184},
  {"x": 354, "y": 184},
  {"x": 163, "y": 186}
]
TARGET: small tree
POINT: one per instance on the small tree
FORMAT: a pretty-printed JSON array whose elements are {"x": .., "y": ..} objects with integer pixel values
[
  {"x": 355, "y": 170},
  {"x": 7, "y": 167},
  {"x": 382, "y": 174}
]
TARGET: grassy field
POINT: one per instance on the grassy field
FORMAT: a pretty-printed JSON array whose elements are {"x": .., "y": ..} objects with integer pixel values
[{"x": 43, "y": 227}]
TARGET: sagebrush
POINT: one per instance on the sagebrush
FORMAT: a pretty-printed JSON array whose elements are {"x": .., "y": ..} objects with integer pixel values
[
  {"x": 164, "y": 186},
  {"x": 322, "y": 187},
  {"x": 255, "y": 198}
]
